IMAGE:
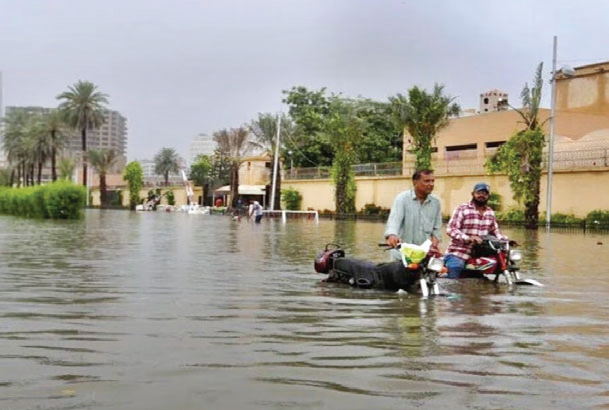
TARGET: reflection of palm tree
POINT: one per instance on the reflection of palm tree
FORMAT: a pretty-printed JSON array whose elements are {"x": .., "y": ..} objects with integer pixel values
[
  {"x": 102, "y": 160},
  {"x": 234, "y": 144},
  {"x": 165, "y": 162},
  {"x": 83, "y": 107},
  {"x": 265, "y": 130}
]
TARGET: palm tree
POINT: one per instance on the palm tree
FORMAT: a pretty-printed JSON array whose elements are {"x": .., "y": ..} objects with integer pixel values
[
  {"x": 66, "y": 167},
  {"x": 531, "y": 99},
  {"x": 53, "y": 123},
  {"x": 234, "y": 144},
  {"x": 264, "y": 129},
  {"x": 102, "y": 160},
  {"x": 521, "y": 156},
  {"x": 165, "y": 162},
  {"x": 16, "y": 144},
  {"x": 83, "y": 107},
  {"x": 39, "y": 142},
  {"x": 422, "y": 115}
]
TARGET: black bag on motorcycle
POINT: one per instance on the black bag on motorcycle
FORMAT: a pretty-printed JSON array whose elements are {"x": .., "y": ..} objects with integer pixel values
[{"x": 366, "y": 274}]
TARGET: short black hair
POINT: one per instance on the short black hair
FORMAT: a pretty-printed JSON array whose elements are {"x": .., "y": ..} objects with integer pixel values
[{"x": 419, "y": 172}]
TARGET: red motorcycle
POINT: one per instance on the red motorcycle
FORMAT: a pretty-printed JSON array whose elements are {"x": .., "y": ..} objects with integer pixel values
[{"x": 495, "y": 257}]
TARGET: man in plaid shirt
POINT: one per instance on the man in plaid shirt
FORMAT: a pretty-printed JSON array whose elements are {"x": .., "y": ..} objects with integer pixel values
[{"x": 469, "y": 223}]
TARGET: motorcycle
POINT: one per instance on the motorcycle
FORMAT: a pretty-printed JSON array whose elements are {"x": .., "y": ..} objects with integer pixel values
[
  {"x": 495, "y": 257},
  {"x": 417, "y": 271}
]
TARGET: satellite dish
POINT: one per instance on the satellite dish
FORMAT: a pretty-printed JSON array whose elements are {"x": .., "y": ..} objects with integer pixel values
[{"x": 567, "y": 71}]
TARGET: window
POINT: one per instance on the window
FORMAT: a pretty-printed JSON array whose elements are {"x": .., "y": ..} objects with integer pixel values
[
  {"x": 466, "y": 147},
  {"x": 494, "y": 144},
  {"x": 486, "y": 100}
]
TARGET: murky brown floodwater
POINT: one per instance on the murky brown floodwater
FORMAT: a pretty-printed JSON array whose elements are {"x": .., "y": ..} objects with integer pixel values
[{"x": 163, "y": 311}]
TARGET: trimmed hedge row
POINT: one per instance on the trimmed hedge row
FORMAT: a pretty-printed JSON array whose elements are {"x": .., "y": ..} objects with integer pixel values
[{"x": 59, "y": 200}]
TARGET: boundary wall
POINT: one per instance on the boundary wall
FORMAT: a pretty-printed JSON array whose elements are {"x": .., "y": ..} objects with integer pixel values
[{"x": 575, "y": 193}]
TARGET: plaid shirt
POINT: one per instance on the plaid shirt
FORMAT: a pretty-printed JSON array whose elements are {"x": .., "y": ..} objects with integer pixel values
[{"x": 465, "y": 222}]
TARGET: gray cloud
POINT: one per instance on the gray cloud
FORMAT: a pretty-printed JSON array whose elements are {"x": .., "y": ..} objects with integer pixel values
[{"x": 179, "y": 68}]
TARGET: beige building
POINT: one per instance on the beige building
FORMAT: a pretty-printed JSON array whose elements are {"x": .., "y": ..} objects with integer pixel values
[{"x": 581, "y": 158}]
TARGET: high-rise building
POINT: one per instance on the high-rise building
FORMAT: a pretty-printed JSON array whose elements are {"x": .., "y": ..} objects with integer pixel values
[{"x": 202, "y": 144}]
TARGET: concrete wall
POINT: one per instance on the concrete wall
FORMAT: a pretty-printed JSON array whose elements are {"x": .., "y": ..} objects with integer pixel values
[
  {"x": 573, "y": 192},
  {"x": 586, "y": 92}
]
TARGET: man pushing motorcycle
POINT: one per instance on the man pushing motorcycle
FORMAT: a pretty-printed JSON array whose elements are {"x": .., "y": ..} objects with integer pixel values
[{"x": 469, "y": 223}]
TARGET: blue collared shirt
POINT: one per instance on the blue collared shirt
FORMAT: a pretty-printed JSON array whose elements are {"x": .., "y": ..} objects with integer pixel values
[{"x": 414, "y": 222}]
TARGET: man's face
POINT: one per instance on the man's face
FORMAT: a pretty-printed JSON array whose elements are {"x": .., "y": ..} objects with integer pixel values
[
  {"x": 480, "y": 198},
  {"x": 424, "y": 185}
]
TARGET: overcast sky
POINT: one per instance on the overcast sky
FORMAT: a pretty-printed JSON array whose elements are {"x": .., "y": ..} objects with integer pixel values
[{"x": 177, "y": 68}]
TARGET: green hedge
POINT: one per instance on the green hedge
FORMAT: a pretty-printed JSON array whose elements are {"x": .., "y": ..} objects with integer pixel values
[{"x": 59, "y": 200}]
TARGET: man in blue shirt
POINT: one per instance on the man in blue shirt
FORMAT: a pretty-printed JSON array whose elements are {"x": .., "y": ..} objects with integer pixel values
[{"x": 416, "y": 215}]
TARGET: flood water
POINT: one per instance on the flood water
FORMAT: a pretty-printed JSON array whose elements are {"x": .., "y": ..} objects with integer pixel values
[{"x": 162, "y": 311}]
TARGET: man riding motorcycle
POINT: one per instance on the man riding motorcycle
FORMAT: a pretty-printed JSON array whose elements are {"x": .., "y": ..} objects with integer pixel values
[{"x": 469, "y": 223}]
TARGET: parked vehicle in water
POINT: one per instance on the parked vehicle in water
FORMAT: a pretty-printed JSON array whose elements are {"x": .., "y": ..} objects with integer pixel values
[
  {"x": 419, "y": 270},
  {"x": 416, "y": 272}
]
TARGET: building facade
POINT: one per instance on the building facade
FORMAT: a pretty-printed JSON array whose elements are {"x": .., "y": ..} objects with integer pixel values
[{"x": 202, "y": 144}]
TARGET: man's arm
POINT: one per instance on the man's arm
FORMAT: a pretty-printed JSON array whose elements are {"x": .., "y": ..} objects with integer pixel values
[{"x": 455, "y": 224}]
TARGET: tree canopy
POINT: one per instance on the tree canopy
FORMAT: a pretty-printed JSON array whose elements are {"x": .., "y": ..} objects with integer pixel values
[
  {"x": 83, "y": 106},
  {"x": 422, "y": 115}
]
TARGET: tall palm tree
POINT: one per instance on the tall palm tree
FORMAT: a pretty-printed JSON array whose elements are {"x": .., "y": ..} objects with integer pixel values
[
  {"x": 165, "y": 162},
  {"x": 39, "y": 142},
  {"x": 422, "y": 115},
  {"x": 234, "y": 144},
  {"x": 264, "y": 129},
  {"x": 54, "y": 125},
  {"x": 102, "y": 160},
  {"x": 531, "y": 100},
  {"x": 15, "y": 143},
  {"x": 84, "y": 108}
]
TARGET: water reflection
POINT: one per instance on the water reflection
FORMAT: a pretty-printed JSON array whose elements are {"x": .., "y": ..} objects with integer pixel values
[{"x": 161, "y": 310}]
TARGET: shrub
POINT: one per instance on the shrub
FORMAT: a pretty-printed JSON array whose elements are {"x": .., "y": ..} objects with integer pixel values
[
  {"x": 558, "y": 218},
  {"x": 597, "y": 218},
  {"x": 59, "y": 200},
  {"x": 511, "y": 215},
  {"x": 494, "y": 201},
  {"x": 171, "y": 199},
  {"x": 292, "y": 199},
  {"x": 372, "y": 209}
]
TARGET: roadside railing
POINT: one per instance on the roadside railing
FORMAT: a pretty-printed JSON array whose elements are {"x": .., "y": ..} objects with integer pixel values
[{"x": 593, "y": 158}]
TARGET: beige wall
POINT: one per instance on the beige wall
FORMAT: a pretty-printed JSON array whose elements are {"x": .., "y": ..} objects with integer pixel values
[
  {"x": 254, "y": 171},
  {"x": 587, "y": 92},
  {"x": 574, "y": 192}
]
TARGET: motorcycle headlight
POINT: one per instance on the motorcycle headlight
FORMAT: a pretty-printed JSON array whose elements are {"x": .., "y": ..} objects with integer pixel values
[
  {"x": 435, "y": 264},
  {"x": 515, "y": 256}
]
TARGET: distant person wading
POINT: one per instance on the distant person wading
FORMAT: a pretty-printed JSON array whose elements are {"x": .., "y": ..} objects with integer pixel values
[{"x": 256, "y": 210}]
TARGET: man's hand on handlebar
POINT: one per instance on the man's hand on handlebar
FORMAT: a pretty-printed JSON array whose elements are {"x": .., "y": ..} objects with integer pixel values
[
  {"x": 392, "y": 240},
  {"x": 475, "y": 239},
  {"x": 512, "y": 242}
]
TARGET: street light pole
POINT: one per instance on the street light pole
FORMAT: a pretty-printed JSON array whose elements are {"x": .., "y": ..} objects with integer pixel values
[
  {"x": 276, "y": 162},
  {"x": 551, "y": 142}
]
